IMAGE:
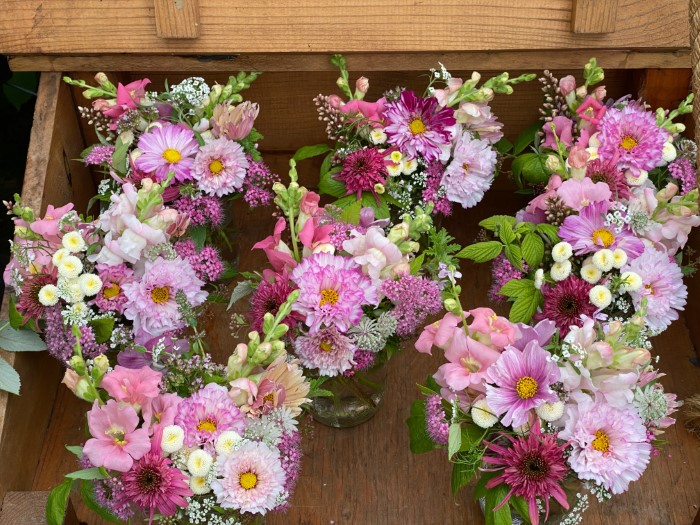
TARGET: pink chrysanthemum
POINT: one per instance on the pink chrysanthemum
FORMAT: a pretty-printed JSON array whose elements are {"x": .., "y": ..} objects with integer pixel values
[
  {"x": 608, "y": 445},
  {"x": 588, "y": 232},
  {"x": 152, "y": 302},
  {"x": 99, "y": 155},
  {"x": 631, "y": 136},
  {"x": 111, "y": 298},
  {"x": 202, "y": 210},
  {"x": 663, "y": 287},
  {"x": 206, "y": 414},
  {"x": 153, "y": 484},
  {"x": 533, "y": 467},
  {"x": 251, "y": 479},
  {"x": 268, "y": 297},
  {"x": 206, "y": 263},
  {"x": 600, "y": 170},
  {"x": 220, "y": 167},
  {"x": 521, "y": 381},
  {"x": 435, "y": 421},
  {"x": 434, "y": 190},
  {"x": 333, "y": 291},
  {"x": 167, "y": 148},
  {"x": 362, "y": 169},
  {"x": 682, "y": 170},
  {"x": 418, "y": 126},
  {"x": 28, "y": 301},
  {"x": 566, "y": 301},
  {"x": 414, "y": 299},
  {"x": 471, "y": 171},
  {"x": 326, "y": 350}
]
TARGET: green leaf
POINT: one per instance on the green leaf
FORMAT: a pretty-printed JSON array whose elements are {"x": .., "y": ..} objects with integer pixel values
[
  {"x": 462, "y": 473},
  {"x": 326, "y": 164},
  {"x": 534, "y": 170},
  {"x": 57, "y": 503},
  {"x": 493, "y": 498},
  {"x": 9, "y": 378},
  {"x": 78, "y": 451},
  {"x": 121, "y": 149},
  {"x": 380, "y": 207},
  {"x": 492, "y": 223},
  {"x": 517, "y": 287},
  {"x": 472, "y": 437},
  {"x": 515, "y": 255},
  {"x": 481, "y": 252},
  {"x": 419, "y": 440},
  {"x": 242, "y": 289},
  {"x": 306, "y": 152},
  {"x": 506, "y": 233},
  {"x": 88, "y": 495},
  {"x": 103, "y": 328},
  {"x": 88, "y": 473},
  {"x": 199, "y": 235},
  {"x": 533, "y": 249},
  {"x": 417, "y": 264},
  {"x": 526, "y": 138},
  {"x": 525, "y": 307},
  {"x": 480, "y": 489},
  {"x": 520, "y": 506},
  {"x": 351, "y": 213},
  {"x": 427, "y": 391},
  {"x": 503, "y": 146},
  {"x": 20, "y": 340},
  {"x": 16, "y": 319},
  {"x": 549, "y": 231},
  {"x": 454, "y": 440},
  {"x": 329, "y": 186}
]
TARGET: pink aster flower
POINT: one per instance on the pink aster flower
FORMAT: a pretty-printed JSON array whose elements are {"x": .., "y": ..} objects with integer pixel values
[
  {"x": 362, "y": 170},
  {"x": 326, "y": 350},
  {"x": 111, "y": 297},
  {"x": 471, "y": 171},
  {"x": 632, "y": 137},
  {"x": 152, "y": 302},
  {"x": 579, "y": 193},
  {"x": 220, "y": 167},
  {"x": 588, "y": 232},
  {"x": 333, "y": 291},
  {"x": 533, "y": 467},
  {"x": 562, "y": 127},
  {"x": 167, "y": 148},
  {"x": 115, "y": 442},
  {"x": 206, "y": 414},
  {"x": 469, "y": 362},
  {"x": 566, "y": 302},
  {"x": 418, "y": 126},
  {"x": 250, "y": 479},
  {"x": 663, "y": 287},
  {"x": 608, "y": 445},
  {"x": 135, "y": 387},
  {"x": 522, "y": 381},
  {"x": 153, "y": 484}
]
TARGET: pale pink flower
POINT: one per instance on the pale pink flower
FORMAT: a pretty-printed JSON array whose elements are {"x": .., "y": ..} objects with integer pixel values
[
  {"x": 469, "y": 360},
  {"x": 135, "y": 387},
  {"x": 374, "y": 252},
  {"x": 493, "y": 330},
  {"x": 579, "y": 193}
]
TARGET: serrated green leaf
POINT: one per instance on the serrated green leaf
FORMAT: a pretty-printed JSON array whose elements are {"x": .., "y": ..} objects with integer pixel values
[
  {"x": 57, "y": 503},
  {"x": 88, "y": 495},
  {"x": 515, "y": 255},
  {"x": 506, "y": 233},
  {"x": 454, "y": 440},
  {"x": 503, "y": 146},
  {"x": 306, "y": 152},
  {"x": 351, "y": 213},
  {"x": 417, "y": 264},
  {"x": 481, "y": 252},
  {"x": 88, "y": 474},
  {"x": 9, "y": 378},
  {"x": 419, "y": 440},
  {"x": 103, "y": 328},
  {"x": 462, "y": 473},
  {"x": 517, "y": 287},
  {"x": 20, "y": 340},
  {"x": 492, "y": 223},
  {"x": 534, "y": 170},
  {"x": 524, "y": 307},
  {"x": 533, "y": 249},
  {"x": 494, "y": 497},
  {"x": 480, "y": 489},
  {"x": 549, "y": 231}
]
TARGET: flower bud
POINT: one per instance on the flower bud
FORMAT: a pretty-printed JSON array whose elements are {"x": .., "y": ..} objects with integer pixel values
[
  {"x": 361, "y": 86},
  {"x": 342, "y": 83},
  {"x": 77, "y": 363},
  {"x": 262, "y": 354},
  {"x": 552, "y": 163},
  {"x": 399, "y": 232},
  {"x": 101, "y": 364},
  {"x": 226, "y": 92},
  {"x": 452, "y": 306},
  {"x": 567, "y": 84},
  {"x": 215, "y": 93},
  {"x": 581, "y": 92},
  {"x": 379, "y": 188},
  {"x": 83, "y": 391},
  {"x": 600, "y": 93}
]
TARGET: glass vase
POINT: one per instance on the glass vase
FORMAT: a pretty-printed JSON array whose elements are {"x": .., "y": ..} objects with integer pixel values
[{"x": 353, "y": 400}]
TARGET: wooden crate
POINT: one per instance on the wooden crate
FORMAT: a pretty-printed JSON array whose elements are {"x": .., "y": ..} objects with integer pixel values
[{"x": 364, "y": 475}]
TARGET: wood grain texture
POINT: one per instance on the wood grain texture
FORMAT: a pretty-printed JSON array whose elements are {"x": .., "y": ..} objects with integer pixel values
[
  {"x": 367, "y": 62},
  {"x": 305, "y": 26},
  {"x": 177, "y": 19},
  {"x": 27, "y": 508},
  {"x": 594, "y": 16}
]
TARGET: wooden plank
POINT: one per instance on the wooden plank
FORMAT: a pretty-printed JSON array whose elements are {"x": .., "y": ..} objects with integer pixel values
[
  {"x": 368, "y": 62},
  {"x": 594, "y": 16},
  {"x": 307, "y": 26},
  {"x": 27, "y": 508},
  {"x": 177, "y": 18}
]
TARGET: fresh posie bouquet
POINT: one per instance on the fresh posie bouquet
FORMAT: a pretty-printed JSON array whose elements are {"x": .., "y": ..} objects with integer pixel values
[
  {"x": 408, "y": 149},
  {"x": 362, "y": 287},
  {"x": 192, "y": 443},
  {"x": 539, "y": 418},
  {"x": 616, "y": 197}
]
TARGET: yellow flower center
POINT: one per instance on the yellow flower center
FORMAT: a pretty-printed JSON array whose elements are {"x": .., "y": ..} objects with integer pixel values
[
  {"x": 269, "y": 398},
  {"x": 118, "y": 435},
  {"x": 248, "y": 480},
  {"x": 207, "y": 425},
  {"x": 471, "y": 364},
  {"x": 603, "y": 237},
  {"x": 465, "y": 166},
  {"x": 416, "y": 126},
  {"x": 111, "y": 291},
  {"x": 601, "y": 443},
  {"x": 649, "y": 288},
  {"x": 627, "y": 142},
  {"x": 526, "y": 387},
  {"x": 326, "y": 346},
  {"x": 160, "y": 294},
  {"x": 216, "y": 166},
  {"x": 328, "y": 296},
  {"x": 172, "y": 155}
]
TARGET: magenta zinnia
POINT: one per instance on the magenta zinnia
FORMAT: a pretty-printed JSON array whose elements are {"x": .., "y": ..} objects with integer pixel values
[
  {"x": 566, "y": 301},
  {"x": 167, "y": 148},
  {"x": 362, "y": 170},
  {"x": 418, "y": 126},
  {"x": 532, "y": 467}
]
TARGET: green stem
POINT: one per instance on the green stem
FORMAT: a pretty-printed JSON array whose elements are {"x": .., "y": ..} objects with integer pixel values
[
  {"x": 292, "y": 229},
  {"x": 350, "y": 383}
]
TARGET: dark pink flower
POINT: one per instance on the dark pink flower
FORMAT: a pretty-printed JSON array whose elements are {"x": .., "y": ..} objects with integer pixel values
[
  {"x": 362, "y": 170},
  {"x": 127, "y": 98},
  {"x": 372, "y": 111},
  {"x": 566, "y": 301}
]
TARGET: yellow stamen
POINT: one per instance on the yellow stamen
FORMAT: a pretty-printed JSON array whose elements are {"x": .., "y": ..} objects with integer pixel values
[
  {"x": 172, "y": 155},
  {"x": 628, "y": 142},
  {"x": 118, "y": 435},
  {"x": 248, "y": 480},
  {"x": 207, "y": 425},
  {"x": 465, "y": 166},
  {"x": 216, "y": 166},
  {"x": 328, "y": 296},
  {"x": 601, "y": 443},
  {"x": 326, "y": 346},
  {"x": 603, "y": 237},
  {"x": 111, "y": 291},
  {"x": 471, "y": 364},
  {"x": 269, "y": 397},
  {"x": 160, "y": 294},
  {"x": 416, "y": 126},
  {"x": 526, "y": 387}
]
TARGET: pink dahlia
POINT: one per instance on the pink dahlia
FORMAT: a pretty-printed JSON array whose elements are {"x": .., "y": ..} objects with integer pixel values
[
  {"x": 250, "y": 479},
  {"x": 220, "y": 167},
  {"x": 167, "y": 148},
  {"x": 471, "y": 171},
  {"x": 333, "y": 291},
  {"x": 418, "y": 126},
  {"x": 588, "y": 232},
  {"x": 533, "y": 467},
  {"x": 111, "y": 298},
  {"x": 208, "y": 413},
  {"x": 631, "y": 136},
  {"x": 522, "y": 381},
  {"x": 115, "y": 442},
  {"x": 135, "y": 387},
  {"x": 362, "y": 169},
  {"x": 153, "y": 484},
  {"x": 152, "y": 302},
  {"x": 663, "y": 287},
  {"x": 566, "y": 302},
  {"x": 327, "y": 350},
  {"x": 599, "y": 170},
  {"x": 608, "y": 445}
]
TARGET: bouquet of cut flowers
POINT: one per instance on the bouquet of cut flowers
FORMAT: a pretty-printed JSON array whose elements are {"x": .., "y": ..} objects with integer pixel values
[
  {"x": 193, "y": 441},
  {"x": 408, "y": 149}
]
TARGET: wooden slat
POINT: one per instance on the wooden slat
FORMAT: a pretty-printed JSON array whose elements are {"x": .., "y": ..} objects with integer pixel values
[
  {"x": 594, "y": 16},
  {"x": 177, "y": 18},
  {"x": 303, "y": 26},
  {"x": 28, "y": 508}
]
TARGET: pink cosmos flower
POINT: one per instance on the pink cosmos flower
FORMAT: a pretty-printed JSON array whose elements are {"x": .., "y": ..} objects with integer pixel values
[
  {"x": 579, "y": 193},
  {"x": 135, "y": 387},
  {"x": 115, "y": 442},
  {"x": 469, "y": 361},
  {"x": 167, "y": 148},
  {"x": 374, "y": 253},
  {"x": 220, "y": 167},
  {"x": 563, "y": 128}
]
